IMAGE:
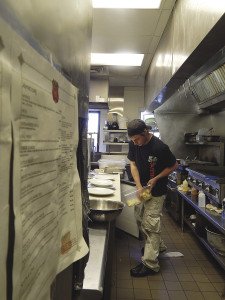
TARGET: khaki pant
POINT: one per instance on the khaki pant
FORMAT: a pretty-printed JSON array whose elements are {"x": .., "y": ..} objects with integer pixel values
[{"x": 148, "y": 216}]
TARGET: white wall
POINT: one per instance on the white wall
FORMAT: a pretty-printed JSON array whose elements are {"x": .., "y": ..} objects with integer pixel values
[
  {"x": 133, "y": 102},
  {"x": 99, "y": 90}
]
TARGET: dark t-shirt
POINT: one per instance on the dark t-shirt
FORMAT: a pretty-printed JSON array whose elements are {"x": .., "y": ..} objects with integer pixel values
[{"x": 151, "y": 159}]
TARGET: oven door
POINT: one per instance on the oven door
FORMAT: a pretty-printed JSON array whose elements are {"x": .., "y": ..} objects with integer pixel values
[{"x": 172, "y": 202}]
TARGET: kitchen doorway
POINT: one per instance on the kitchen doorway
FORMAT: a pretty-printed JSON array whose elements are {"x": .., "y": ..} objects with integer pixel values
[{"x": 94, "y": 127}]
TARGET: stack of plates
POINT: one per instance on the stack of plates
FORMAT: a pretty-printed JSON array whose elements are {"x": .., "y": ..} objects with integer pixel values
[{"x": 102, "y": 187}]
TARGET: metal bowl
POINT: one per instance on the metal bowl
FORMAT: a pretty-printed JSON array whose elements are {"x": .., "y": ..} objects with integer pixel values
[
  {"x": 216, "y": 240},
  {"x": 102, "y": 210}
]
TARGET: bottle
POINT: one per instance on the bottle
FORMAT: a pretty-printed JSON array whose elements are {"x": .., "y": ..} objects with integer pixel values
[
  {"x": 194, "y": 194},
  {"x": 105, "y": 126},
  {"x": 185, "y": 186},
  {"x": 201, "y": 199}
]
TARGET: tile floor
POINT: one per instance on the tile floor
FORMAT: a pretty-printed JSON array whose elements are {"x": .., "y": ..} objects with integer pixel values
[{"x": 194, "y": 276}]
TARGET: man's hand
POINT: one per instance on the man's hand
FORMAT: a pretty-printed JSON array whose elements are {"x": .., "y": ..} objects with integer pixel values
[{"x": 152, "y": 182}]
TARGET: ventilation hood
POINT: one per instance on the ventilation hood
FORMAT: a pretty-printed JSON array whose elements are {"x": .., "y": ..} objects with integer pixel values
[{"x": 208, "y": 84}]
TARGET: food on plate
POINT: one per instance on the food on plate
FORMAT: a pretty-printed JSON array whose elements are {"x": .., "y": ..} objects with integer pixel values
[{"x": 213, "y": 208}]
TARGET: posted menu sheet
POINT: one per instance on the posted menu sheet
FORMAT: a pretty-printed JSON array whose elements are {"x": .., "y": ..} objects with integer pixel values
[
  {"x": 5, "y": 152},
  {"x": 47, "y": 192}
]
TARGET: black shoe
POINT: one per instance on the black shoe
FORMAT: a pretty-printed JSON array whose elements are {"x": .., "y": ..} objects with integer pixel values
[
  {"x": 136, "y": 269},
  {"x": 141, "y": 271}
]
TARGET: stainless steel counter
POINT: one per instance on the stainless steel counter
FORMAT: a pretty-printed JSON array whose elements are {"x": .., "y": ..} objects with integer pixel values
[
  {"x": 94, "y": 271},
  {"x": 99, "y": 233}
]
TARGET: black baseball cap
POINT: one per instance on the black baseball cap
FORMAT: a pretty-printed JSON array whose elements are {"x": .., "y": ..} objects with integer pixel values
[{"x": 137, "y": 126}]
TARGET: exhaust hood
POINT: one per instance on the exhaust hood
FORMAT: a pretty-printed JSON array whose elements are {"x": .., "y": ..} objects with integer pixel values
[{"x": 208, "y": 84}]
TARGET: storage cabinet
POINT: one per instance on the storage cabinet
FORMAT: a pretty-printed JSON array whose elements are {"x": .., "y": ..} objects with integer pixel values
[{"x": 116, "y": 141}]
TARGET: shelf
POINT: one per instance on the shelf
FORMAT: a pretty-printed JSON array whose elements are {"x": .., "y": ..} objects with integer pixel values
[
  {"x": 218, "y": 257},
  {"x": 111, "y": 143},
  {"x": 216, "y": 220},
  {"x": 115, "y": 152},
  {"x": 206, "y": 144},
  {"x": 115, "y": 130}
]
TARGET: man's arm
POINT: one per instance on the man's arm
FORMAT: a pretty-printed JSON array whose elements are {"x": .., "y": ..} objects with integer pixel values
[
  {"x": 164, "y": 173},
  {"x": 135, "y": 174}
]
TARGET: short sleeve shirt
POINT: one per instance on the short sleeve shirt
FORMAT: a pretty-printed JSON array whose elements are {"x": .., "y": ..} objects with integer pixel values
[{"x": 151, "y": 159}]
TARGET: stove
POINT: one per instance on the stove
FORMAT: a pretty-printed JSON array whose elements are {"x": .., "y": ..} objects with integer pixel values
[{"x": 209, "y": 179}]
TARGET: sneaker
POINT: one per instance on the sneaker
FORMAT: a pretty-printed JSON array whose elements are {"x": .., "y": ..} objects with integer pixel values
[
  {"x": 141, "y": 270},
  {"x": 136, "y": 269}
]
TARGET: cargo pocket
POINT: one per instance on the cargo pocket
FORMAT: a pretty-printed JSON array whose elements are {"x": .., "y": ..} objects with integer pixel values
[{"x": 151, "y": 223}]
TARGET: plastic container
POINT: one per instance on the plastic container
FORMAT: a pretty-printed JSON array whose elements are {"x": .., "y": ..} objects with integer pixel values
[
  {"x": 137, "y": 197},
  {"x": 118, "y": 164},
  {"x": 201, "y": 199}
]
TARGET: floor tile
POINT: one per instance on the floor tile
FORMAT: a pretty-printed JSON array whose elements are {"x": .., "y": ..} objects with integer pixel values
[
  {"x": 190, "y": 286},
  {"x": 139, "y": 283},
  {"x": 125, "y": 293},
  {"x": 173, "y": 286},
  {"x": 157, "y": 285},
  {"x": 177, "y": 295},
  {"x": 170, "y": 276},
  {"x": 211, "y": 296},
  {"x": 215, "y": 277},
  {"x": 159, "y": 295},
  {"x": 124, "y": 283},
  {"x": 219, "y": 286},
  {"x": 205, "y": 287},
  {"x": 185, "y": 277},
  {"x": 194, "y": 295},
  {"x": 200, "y": 278},
  {"x": 142, "y": 294}
]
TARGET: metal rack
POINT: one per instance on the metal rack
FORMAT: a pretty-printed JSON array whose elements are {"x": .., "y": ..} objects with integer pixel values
[{"x": 215, "y": 220}]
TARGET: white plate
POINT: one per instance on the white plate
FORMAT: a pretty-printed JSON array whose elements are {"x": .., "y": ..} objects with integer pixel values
[
  {"x": 104, "y": 176},
  {"x": 100, "y": 191},
  {"x": 101, "y": 182}
]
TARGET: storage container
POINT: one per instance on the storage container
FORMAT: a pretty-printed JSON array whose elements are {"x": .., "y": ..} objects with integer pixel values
[
  {"x": 119, "y": 164},
  {"x": 137, "y": 197}
]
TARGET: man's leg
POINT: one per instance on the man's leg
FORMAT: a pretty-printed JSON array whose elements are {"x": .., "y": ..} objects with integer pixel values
[{"x": 151, "y": 226}]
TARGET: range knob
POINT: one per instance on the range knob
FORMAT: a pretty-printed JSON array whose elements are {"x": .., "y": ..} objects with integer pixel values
[
  {"x": 200, "y": 184},
  {"x": 207, "y": 188}
]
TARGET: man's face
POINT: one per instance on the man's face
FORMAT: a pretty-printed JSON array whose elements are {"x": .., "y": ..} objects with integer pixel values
[{"x": 139, "y": 139}]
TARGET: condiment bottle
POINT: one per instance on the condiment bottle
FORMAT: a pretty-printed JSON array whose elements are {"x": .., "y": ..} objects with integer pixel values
[
  {"x": 194, "y": 193},
  {"x": 185, "y": 186},
  {"x": 201, "y": 199}
]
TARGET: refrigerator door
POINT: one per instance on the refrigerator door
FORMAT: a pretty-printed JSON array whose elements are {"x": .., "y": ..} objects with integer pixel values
[{"x": 126, "y": 220}]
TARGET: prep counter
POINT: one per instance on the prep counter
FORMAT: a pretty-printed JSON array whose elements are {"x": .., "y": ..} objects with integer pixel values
[{"x": 96, "y": 284}]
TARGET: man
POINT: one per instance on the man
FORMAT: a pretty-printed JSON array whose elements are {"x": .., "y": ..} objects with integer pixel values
[{"x": 151, "y": 162}]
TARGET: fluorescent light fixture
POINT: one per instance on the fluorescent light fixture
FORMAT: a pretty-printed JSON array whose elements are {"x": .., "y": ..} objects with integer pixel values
[
  {"x": 136, "y": 4},
  {"x": 117, "y": 59}
]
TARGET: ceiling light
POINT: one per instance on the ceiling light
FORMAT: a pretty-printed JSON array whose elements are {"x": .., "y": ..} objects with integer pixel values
[
  {"x": 136, "y": 4},
  {"x": 117, "y": 59}
]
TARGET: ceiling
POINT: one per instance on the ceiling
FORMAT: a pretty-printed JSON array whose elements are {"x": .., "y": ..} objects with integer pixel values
[{"x": 128, "y": 30}]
